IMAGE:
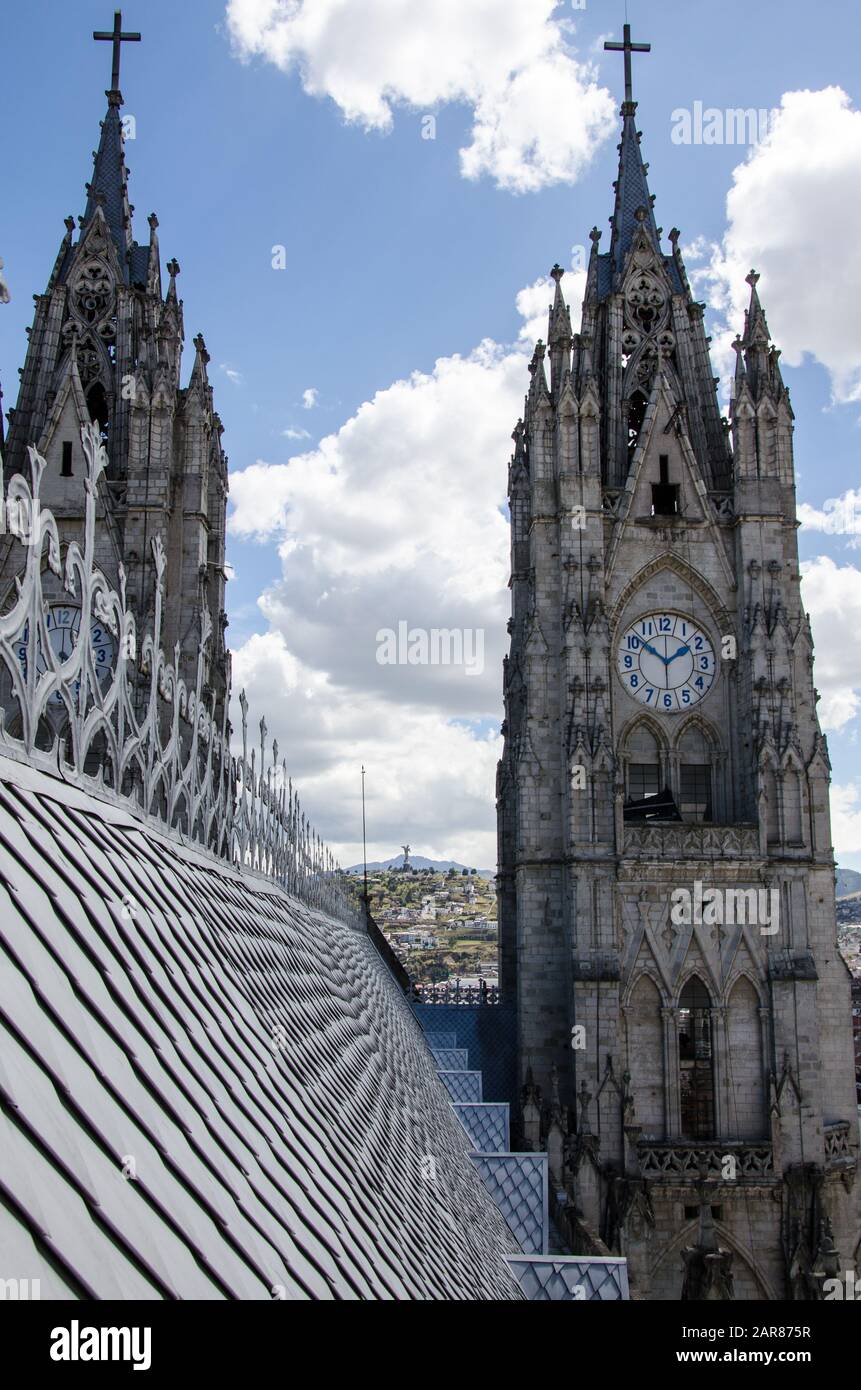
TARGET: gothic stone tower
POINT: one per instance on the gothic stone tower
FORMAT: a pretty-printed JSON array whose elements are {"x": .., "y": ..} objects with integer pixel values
[
  {"x": 682, "y": 1051},
  {"x": 106, "y": 346}
]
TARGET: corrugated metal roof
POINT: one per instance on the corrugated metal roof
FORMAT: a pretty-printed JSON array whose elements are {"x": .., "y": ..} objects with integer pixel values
[{"x": 208, "y": 1089}]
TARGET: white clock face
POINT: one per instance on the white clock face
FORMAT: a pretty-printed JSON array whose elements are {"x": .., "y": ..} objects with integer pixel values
[
  {"x": 63, "y": 622},
  {"x": 666, "y": 662}
]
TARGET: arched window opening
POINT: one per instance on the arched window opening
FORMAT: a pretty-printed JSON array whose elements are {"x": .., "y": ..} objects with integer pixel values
[
  {"x": 696, "y": 1066},
  {"x": 647, "y": 797},
  {"x": 696, "y": 780},
  {"x": 97, "y": 404},
  {"x": 643, "y": 759}
]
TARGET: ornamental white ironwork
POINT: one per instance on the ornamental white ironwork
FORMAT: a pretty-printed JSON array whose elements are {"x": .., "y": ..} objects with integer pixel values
[{"x": 134, "y": 731}]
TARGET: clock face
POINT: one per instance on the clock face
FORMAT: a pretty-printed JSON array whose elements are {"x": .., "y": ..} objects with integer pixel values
[
  {"x": 63, "y": 622},
  {"x": 666, "y": 662}
]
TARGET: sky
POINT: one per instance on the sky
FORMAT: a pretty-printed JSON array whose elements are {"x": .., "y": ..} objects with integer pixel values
[{"x": 365, "y": 198}]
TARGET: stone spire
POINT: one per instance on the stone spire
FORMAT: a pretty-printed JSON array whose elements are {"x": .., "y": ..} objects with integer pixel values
[
  {"x": 761, "y": 360},
  {"x": 634, "y": 202},
  {"x": 108, "y": 188}
]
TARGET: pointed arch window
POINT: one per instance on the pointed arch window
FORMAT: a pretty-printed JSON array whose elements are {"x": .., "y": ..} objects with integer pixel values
[
  {"x": 696, "y": 1062},
  {"x": 97, "y": 404},
  {"x": 642, "y": 760},
  {"x": 696, "y": 773}
]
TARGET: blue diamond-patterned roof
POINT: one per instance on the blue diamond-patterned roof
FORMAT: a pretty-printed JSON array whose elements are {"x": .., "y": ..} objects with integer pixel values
[
  {"x": 109, "y": 184},
  {"x": 210, "y": 1090},
  {"x": 560, "y": 1279},
  {"x": 518, "y": 1185},
  {"x": 632, "y": 194}
]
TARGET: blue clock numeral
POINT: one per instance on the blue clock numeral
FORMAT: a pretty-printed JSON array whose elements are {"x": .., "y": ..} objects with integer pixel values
[
  {"x": 633, "y": 643},
  {"x": 668, "y": 702},
  {"x": 666, "y": 624},
  {"x": 635, "y": 681},
  {"x": 686, "y": 696},
  {"x": 698, "y": 644},
  {"x": 629, "y": 661},
  {"x": 649, "y": 693},
  {"x": 699, "y": 683}
]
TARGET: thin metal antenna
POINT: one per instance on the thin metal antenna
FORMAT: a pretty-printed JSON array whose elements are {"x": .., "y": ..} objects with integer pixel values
[{"x": 364, "y": 843}]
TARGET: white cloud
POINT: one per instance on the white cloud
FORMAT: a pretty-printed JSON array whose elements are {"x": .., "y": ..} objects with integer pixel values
[
  {"x": 399, "y": 516},
  {"x": 538, "y": 113},
  {"x": 846, "y": 819},
  {"x": 793, "y": 212},
  {"x": 231, "y": 373},
  {"x": 309, "y": 397},
  {"x": 838, "y": 516},
  {"x": 291, "y": 433},
  {"x": 832, "y": 596},
  {"x": 533, "y": 303},
  {"x": 429, "y": 780}
]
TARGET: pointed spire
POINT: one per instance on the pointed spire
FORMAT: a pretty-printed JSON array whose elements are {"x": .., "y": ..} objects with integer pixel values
[
  {"x": 108, "y": 187},
  {"x": 755, "y": 325},
  {"x": 62, "y": 254},
  {"x": 761, "y": 358},
  {"x": 173, "y": 270},
  {"x": 559, "y": 329},
  {"x": 538, "y": 384},
  {"x": 201, "y": 358},
  {"x": 153, "y": 283},
  {"x": 559, "y": 337},
  {"x": 634, "y": 203}
]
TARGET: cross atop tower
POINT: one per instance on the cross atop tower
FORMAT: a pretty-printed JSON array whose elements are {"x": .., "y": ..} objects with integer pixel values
[
  {"x": 116, "y": 37},
  {"x": 627, "y": 47}
]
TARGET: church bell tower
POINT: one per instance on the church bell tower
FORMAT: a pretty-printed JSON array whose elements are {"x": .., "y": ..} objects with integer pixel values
[
  {"x": 106, "y": 347},
  {"x": 666, "y": 873}
]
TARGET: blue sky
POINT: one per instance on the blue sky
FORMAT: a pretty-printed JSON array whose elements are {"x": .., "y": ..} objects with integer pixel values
[{"x": 397, "y": 264}]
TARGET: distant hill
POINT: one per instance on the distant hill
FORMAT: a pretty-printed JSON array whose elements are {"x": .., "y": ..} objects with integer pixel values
[
  {"x": 417, "y": 861},
  {"x": 848, "y": 881}
]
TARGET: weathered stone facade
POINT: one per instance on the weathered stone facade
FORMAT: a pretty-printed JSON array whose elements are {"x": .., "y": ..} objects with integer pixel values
[
  {"x": 671, "y": 1060},
  {"x": 106, "y": 345}
]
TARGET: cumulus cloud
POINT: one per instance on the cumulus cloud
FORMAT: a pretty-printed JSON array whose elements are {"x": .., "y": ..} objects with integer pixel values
[
  {"x": 310, "y": 397},
  {"x": 838, "y": 516},
  {"x": 532, "y": 305},
  {"x": 792, "y": 213},
  {"x": 539, "y": 113},
  {"x": 399, "y": 516},
  {"x": 832, "y": 596},
  {"x": 428, "y": 779}
]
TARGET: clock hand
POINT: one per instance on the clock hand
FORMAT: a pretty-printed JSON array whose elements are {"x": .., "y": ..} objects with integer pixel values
[
  {"x": 649, "y": 648},
  {"x": 680, "y": 652}
]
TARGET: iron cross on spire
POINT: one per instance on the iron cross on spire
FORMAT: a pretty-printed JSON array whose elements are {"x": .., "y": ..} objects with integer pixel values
[
  {"x": 628, "y": 48},
  {"x": 116, "y": 37}
]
